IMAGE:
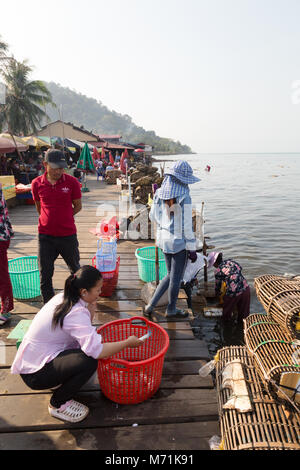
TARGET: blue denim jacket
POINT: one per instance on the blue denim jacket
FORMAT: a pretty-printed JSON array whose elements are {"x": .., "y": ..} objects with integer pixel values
[{"x": 175, "y": 226}]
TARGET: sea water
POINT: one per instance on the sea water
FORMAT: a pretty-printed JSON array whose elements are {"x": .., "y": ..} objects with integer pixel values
[{"x": 252, "y": 214}]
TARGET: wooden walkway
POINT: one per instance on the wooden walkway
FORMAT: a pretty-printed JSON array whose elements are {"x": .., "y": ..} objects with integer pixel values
[{"x": 183, "y": 415}]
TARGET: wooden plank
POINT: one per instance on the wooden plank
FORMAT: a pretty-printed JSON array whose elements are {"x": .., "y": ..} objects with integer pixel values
[
  {"x": 11, "y": 384},
  {"x": 16, "y": 319},
  {"x": 171, "y": 406},
  {"x": 183, "y": 436},
  {"x": 179, "y": 349}
]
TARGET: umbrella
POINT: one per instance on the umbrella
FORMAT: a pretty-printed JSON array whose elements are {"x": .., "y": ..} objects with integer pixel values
[
  {"x": 18, "y": 144},
  {"x": 111, "y": 159},
  {"x": 122, "y": 162},
  {"x": 95, "y": 155},
  {"x": 6, "y": 146},
  {"x": 85, "y": 161},
  {"x": 35, "y": 142}
]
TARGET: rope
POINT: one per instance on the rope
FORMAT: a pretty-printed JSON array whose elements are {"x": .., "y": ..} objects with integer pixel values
[
  {"x": 272, "y": 341},
  {"x": 262, "y": 323}
]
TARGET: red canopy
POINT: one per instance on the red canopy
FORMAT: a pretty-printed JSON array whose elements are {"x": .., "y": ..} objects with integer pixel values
[
  {"x": 122, "y": 163},
  {"x": 95, "y": 154},
  {"x": 139, "y": 150},
  {"x": 111, "y": 159}
]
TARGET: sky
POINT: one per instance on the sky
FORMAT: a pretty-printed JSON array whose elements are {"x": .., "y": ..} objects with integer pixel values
[{"x": 222, "y": 76}]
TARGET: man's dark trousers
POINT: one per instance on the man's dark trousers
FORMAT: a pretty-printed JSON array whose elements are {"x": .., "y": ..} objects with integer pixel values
[{"x": 49, "y": 250}]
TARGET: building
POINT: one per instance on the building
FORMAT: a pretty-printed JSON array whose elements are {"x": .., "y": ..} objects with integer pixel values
[
  {"x": 69, "y": 131},
  {"x": 112, "y": 139}
]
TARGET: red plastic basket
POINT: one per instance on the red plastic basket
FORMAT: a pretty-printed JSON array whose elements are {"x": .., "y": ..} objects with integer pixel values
[
  {"x": 133, "y": 375},
  {"x": 110, "y": 279}
]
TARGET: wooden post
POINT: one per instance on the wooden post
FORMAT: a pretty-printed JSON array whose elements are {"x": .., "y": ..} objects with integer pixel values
[{"x": 156, "y": 266}]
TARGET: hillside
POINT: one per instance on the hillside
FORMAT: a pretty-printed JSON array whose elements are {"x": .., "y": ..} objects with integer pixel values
[{"x": 95, "y": 117}]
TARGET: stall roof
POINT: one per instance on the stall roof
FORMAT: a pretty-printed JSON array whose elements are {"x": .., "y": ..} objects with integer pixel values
[{"x": 112, "y": 146}]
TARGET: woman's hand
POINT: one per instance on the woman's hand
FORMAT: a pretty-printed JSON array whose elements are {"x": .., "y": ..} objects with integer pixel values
[{"x": 133, "y": 342}]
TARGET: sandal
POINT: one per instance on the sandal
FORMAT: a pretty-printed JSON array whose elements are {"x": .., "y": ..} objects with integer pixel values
[
  {"x": 177, "y": 314},
  {"x": 147, "y": 311},
  {"x": 72, "y": 412},
  {"x": 4, "y": 318}
]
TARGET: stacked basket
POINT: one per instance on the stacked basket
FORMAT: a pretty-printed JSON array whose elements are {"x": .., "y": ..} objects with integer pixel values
[
  {"x": 267, "y": 426},
  {"x": 271, "y": 368},
  {"x": 280, "y": 298}
]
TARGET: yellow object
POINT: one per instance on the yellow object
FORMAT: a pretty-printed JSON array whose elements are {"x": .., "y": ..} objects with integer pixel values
[
  {"x": 150, "y": 201},
  {"x": 298, "y": 324},
  {"x": 223, "y": 292},
  {"x": 222, "y": 445},
  {"x": 8, "y": 186},
  {"x": 217, "y": 357},
  {"x": 35, "y": 142}
]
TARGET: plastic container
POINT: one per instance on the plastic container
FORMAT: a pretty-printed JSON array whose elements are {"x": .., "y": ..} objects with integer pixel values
[
  {"x": 133, "y": 375},
  {"x": 106, "y": 256},
  {"x": 146, "y": 263},
  {"x": 110, "y": 279},
  {"x": 25, "y": 277},
  {"x": 207, "y": 369}
]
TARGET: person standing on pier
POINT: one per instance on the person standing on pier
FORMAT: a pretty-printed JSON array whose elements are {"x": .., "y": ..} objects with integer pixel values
[
  {"x": 172, "y": 212},
  {"x": 237, "y": 289},
  {"x": 57, "y": 197},
  {"x": 6, "y": 233}
]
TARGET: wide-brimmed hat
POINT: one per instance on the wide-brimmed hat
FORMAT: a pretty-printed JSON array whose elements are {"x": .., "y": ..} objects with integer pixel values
[
  {"x": 172, "y": 188},
  {"x": 183, "y": 171},
  {"x": 212, "y": 258}
]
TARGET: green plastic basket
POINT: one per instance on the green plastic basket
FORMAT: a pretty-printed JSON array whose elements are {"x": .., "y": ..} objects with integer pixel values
[
  {"x": 25, "y": 277},
  {"x": 146, "y": 263}
]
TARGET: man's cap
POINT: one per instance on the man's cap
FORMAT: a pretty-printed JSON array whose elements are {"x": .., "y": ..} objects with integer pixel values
[{"x": 56, "y": 159}]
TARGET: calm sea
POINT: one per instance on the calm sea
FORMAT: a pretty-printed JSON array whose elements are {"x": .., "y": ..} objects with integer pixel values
[{"x": 252, "y": 213}]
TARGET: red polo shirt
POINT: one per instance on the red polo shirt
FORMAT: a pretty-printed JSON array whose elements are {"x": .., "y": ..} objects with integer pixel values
[{"x": 56, "y": 217}]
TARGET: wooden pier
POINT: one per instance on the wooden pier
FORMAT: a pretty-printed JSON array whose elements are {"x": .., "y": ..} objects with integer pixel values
[{"x": 183, "y": 414}]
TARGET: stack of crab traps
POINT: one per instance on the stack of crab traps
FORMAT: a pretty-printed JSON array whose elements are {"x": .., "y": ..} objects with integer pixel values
[{"x": 259, "y": 384}]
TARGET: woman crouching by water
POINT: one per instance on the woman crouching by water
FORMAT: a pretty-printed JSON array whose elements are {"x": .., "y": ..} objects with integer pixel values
[{"x": 61, "y": 348}]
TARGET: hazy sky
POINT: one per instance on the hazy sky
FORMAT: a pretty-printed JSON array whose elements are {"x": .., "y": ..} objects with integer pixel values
[{"x": 215, "y": 74}]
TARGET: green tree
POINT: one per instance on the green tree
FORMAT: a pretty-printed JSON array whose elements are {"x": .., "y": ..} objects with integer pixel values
[
  {"x": 3, "y": 50},
  {"x": 22, "y": 113}
]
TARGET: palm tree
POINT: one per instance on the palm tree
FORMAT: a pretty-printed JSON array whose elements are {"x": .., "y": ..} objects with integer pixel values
[
  {"x": 22, "y": 112},
  {"x": 3, "y": 49}
]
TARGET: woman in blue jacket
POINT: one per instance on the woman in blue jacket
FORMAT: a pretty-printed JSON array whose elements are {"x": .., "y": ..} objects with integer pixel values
[{"x": 172, "y": 212}]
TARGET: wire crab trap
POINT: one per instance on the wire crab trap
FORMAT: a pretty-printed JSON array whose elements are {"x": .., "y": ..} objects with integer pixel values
[
  {"x": 280, "y": 298},
  {"x": 276, "y": 355},
  {"x": 266, "y": 426}
]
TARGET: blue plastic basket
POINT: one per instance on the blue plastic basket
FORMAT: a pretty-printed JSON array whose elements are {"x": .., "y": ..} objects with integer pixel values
[
  {"x": 146, "y": 263},
  {"x": 25, "y": 277}
]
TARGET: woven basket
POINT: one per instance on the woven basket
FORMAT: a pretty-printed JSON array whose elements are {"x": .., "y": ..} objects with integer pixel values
[
  {"x": 267, "y": 427},
  {"x": 276, "y": 356},
  {"x": 280, "y": 298}
]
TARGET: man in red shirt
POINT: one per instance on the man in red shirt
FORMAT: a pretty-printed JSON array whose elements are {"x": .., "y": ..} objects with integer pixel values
[{"x": 57, "y": 197}]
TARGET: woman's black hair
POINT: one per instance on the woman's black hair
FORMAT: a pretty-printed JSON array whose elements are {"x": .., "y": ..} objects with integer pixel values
[
  {"x": 219, "y": 259},
  {"x": 85, "y": 278}
]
